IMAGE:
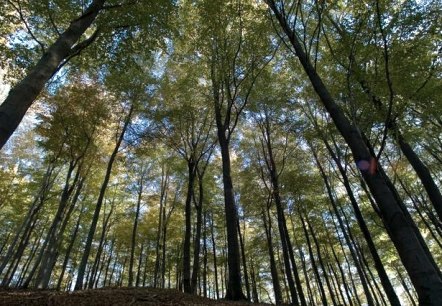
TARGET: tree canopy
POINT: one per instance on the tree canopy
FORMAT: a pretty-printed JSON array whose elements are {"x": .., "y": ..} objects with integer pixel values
[{"x": 271, "y": 151}]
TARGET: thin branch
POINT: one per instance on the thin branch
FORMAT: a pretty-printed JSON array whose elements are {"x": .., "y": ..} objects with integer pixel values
[
  {"x": 22, "y": 18},
  {"x": 389, "y": 81}
]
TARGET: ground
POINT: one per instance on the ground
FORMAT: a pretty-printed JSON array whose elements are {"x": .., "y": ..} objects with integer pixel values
[{"x": 108, "y": 296}]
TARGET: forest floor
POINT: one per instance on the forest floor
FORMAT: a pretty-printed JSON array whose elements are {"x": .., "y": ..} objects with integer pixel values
[{"x": 108, "y": 296}]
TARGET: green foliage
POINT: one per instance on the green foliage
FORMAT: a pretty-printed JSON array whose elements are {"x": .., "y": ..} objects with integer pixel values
[{"x": 170, "y": 59}]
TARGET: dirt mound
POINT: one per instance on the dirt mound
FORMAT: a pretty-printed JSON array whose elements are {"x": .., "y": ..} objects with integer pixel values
[{"x": 107, "y": 296}]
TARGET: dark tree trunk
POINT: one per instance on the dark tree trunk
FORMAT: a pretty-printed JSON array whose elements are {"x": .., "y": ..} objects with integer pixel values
[
  {"x": 389, "y": 290},
  {"x": 69, "y": 250},
  {"x": 191, "y": 172},
  {"x": 22, "y": 95},
  {"x": 18, "y": 244},
  {"x": 244, "y": 261},
  {"x": 140, "y": 261},
  {"x": 321, "y": 261},
  {"x": 215, "y": 265},
  {"x": 104, "y": 230},
  {"x": 62, "y": 217},
  {"x": 347, "y": 234},
  {"x": 90, "y": 238},
  {"x": 134, "y": 229},
  {"x": 234, "y": 284},
  {"x": 287, "y": 249},
  {"x": 273, "y": 269},
  {"x": 254, "y": 284},
  {"x": 197, "y": 244},
  {"x": 205, "y": 254},
  {"x": 313, "y": 261},
  {"x": 418, "y": 262},
  {"x": 161, "y": 221}
]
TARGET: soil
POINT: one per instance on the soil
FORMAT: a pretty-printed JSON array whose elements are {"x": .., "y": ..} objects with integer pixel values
[{"x": 107, "y": 297}]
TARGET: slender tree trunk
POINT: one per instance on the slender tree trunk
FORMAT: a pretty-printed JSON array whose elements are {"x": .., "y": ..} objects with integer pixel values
[
  {"x": 244, "y": 261},
  {"x": 197, "y": 243},
  {"x": 88, "y": 246},
  {"x": 313, "y": 261},
  {"x": 289, "y": 258},
  {"x": 18, "y": 255},
  {"x": 18, "y": 243},
  {"x": 69, "y": 249},
  {"x": 27, "y": 264},
  {"x": 321, "y": 261},
  {"x": 161, "y": 221},
  {"x": 215, "y": 265},
  {"x": 140, "y": 262},
  {"x": 205, "y": 254},
  {"x": 134, "y": 230},
  {"x": 22, "y": 95},
  {"x": 419, "y": 264},
  {"x": 62, "y": 217},
  {"x": 347, "y": 233},
  {"x": 273, "y": 269},
  {"x": 95, "y": 265},
  {"x": 385, "y": 281},
  {"x": 234, "y": 285},
  {"x": 254, "y": 285},
  {"x": 191, "y": 167}
]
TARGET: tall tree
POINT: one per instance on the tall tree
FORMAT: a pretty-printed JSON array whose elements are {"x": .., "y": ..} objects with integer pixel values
[
  {"x": 418, "y": 262},
  {"x": 235, "y": 57}
]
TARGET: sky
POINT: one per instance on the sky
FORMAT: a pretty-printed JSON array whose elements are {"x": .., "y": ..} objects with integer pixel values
[{"x": 4, "y": 87}]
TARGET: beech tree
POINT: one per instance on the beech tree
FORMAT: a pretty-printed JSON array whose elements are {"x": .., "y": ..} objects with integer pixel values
[
  {"x": 67, "y": 43},
  {"x": 400, "y": 226},
  {"x": 283, "y": 152}
]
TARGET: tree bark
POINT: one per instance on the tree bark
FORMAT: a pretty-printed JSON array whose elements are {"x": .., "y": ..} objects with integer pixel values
[
  {"x": 191, "y": 168},
  {"x": 273, "y": 269},
  {"x": 22, "y": 95},
  {"x": 419, "y": 264},
  {"x": 215, "y": 266},
  {"x": 88, "y": 246},
  {"x": 385, "y": 281},
  {"x": 135, "y": 228}
]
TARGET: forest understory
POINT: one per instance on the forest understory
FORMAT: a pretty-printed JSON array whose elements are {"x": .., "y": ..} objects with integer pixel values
[{"x": 108, "y": 297}]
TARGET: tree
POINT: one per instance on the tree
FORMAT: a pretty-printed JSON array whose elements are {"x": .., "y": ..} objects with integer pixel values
[
  {"x": 22, "y": 95},
  {"x": 400, "y": 226},
  {"x": 235, "y": 58},
  {"x": 69, "y": 43}
]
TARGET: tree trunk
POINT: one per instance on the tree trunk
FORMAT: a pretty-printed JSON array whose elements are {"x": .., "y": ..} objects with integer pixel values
[
  {"x": 161, "y": 221},
  {"x": 244, "y": 261},
  {"x": 51, "y": 251},
  {"x": 95, "y": 265},
  {"x": 88, "y": 246},
  {"x": 69, "y": 249},
  {"x": 205, "y": 254},
  {"x": 313, "y": 261},
  {"x": 424, "y": 275},
  {"x": 22, "y": 95},
  {"x": 234, "y": 284},
  {"x": 191, "y": 167},
  {"x": 385, "y": 281},
  {"x": 273, "y": 269},
  {"x": 197, "y": 244},
  {"x": 134, "y": 231},
  {"x": 287, "y": 249},
  {"x": 215, "y": 266},
  {"x": 321, "y": 261},
  {"x": 19, "y": 242}
]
